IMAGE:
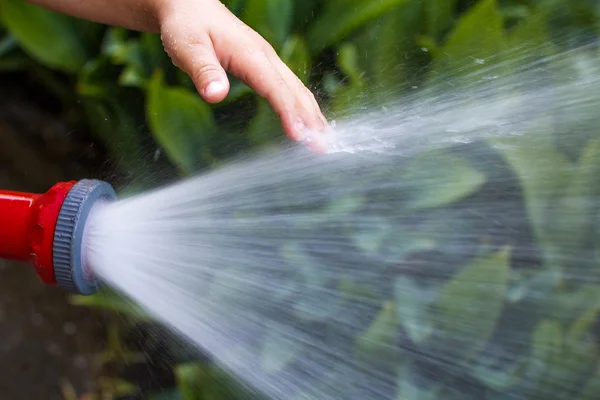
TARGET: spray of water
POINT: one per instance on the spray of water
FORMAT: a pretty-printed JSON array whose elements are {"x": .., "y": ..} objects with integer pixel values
[{"x": 445, "y": 248}]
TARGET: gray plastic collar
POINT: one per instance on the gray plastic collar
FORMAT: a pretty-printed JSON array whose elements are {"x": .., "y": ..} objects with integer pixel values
[{"x": 72, "y": 274}]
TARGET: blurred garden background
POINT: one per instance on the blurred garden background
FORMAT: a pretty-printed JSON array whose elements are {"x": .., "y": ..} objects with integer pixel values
[{"x": 85, "y": 100}]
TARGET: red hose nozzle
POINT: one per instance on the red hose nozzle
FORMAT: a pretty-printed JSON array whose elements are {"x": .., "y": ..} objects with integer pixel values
[
  {"x": 27, "y": 223},
  {"x": 47, "y": 230}
]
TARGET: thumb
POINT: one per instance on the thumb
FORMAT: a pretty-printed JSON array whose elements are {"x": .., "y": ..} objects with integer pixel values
[{"x": 199, "y": 61}]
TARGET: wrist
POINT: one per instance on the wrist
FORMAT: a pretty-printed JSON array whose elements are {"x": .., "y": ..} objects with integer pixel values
[{"x": 160, "y": 10}]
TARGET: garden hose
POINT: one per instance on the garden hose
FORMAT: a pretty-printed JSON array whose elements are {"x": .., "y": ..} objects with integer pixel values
[{"x": 48, "y": 231}]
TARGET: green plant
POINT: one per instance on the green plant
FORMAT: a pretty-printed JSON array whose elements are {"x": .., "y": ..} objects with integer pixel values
[{"x": 127, "y": 86}]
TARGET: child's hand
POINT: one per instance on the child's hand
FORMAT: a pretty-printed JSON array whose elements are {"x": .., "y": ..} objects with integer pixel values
[{"x": 205, "y": 39}]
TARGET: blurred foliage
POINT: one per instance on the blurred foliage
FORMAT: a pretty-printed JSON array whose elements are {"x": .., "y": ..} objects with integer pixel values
[{"x": 349, "y": 51}]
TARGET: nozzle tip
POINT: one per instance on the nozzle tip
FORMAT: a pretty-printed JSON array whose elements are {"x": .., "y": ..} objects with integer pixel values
[{"x": 71, "y": 271}]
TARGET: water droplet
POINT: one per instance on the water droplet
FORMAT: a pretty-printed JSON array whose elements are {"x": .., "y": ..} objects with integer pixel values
[
  {"x": 425, "y": 49},
  {"x": 480, "y": 61}
]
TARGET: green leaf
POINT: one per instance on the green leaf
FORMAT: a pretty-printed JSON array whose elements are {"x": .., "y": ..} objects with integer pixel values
[
  {"x": 598, "y": 17},
  {"x": 348, "y": 100},
  {"x": 577, "y": 359},
  {"x": 409, "y": 390},
  {"x": 541, "y": 168},
  {"x": 235, "y": 6},
  {"x": 132, "y": 76},
  {"x": 168, "y": 394},
  {"x": 272, "y": 19},
  {"x": 547, "y": 344},
  {"x": 370, "y": 240},
  {"x": 592, "y": 387},
  {"x": 47, "y": 36},
  {"x": 378, "y": 343},
  {"x": 112, "y": 123},
  {"x": 500, "y": 379},
  {"x": 345, "y": 205},
  {"x": 119, "y": 387},
  {"x": 140, "y": 57},
  {"x": 353, "y": 94},
  {"x": 573, "y": 304},
  {"x": 437, "y": 179},
  {"x": 583, "y": 327},
  {"x": 198, "y": 381},
  {"x": 266, "y": 125},
  {"x": 400, "y": 244},
  {"x": 304, "y": 12},
  {"x": 577, "y": 203},
  {"x": 412, "y": 307},
  {"x": 516, "y": 12},
  {"x": 468, "y": 307},
  {"x": 92, "y": 79},
  {"x": 440, "y": 16},
  {"x": 237, "y": 90},
  {"x": 543, "y": 173},
  {"x": 295, "y": 54},
  {"x": 477, "y": 37},
  {"x": 393, "y": 52},
  {"x": 314, "y": 281},
  {"x": 529, "y": 41},
  {"x": 342, "y": 17},
  {"x": 181, "y": 122},
  {"x": 531, "y": 32},
  {"x": 153, "y": 52},
  {"x": 108, "y": 300},
  {"x": 115, "y": 43},
  {"x": 116, "y": 350},
  {"x": 190, "y": 379},
  {"x": 348, "y": 62},
  {"x": 353, "y": 290},
  {"x": 278, "y": 350}
]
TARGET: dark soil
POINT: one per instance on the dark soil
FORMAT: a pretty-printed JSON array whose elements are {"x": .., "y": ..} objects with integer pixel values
[{"x": 46, "y": 341}]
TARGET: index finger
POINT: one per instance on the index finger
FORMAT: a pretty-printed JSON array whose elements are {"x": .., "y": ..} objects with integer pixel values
[{"x": 249, "y": 57}]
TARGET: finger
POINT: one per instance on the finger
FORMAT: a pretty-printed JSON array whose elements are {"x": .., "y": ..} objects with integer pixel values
[
  {"x": 315, "y": 121},
  {"x": 247, "y": 60},
  {"x": 312, "y": 111},
  {"x": 198, "y": 59}
]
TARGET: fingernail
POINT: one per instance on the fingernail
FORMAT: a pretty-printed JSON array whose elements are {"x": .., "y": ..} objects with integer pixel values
[{"x": 213, "y": 88}]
